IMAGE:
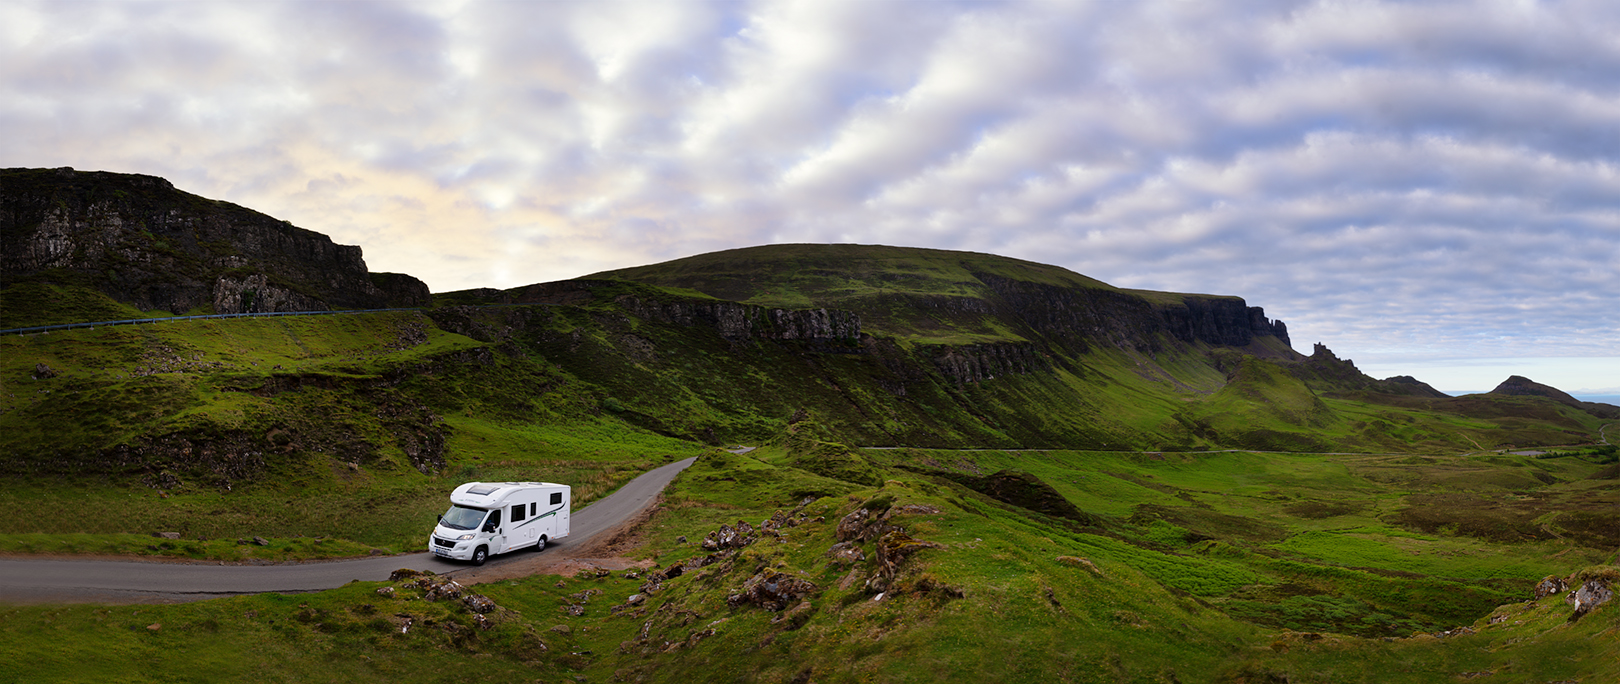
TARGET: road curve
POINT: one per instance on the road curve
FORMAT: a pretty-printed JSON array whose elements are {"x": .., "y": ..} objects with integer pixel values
[{"x": 25, "y": 580}]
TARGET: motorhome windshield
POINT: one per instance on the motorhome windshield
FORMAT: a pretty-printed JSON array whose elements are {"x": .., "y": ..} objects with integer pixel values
[{"x": 462, "y": 517}]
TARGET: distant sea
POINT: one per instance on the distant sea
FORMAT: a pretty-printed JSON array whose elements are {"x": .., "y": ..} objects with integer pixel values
[{"x": 1600, "y": 398}]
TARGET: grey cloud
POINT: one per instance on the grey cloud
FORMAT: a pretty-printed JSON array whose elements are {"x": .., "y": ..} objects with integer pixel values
[{"x": 1421, "y": 175}]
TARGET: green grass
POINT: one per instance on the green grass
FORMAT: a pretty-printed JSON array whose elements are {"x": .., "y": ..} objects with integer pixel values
[{"x": 1004, "y": 594}]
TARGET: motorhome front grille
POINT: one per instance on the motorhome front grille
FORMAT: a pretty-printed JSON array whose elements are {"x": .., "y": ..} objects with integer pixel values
[{"x": 443, "y": 542}]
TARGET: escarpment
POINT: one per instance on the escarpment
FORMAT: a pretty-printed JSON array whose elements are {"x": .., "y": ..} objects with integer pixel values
[
  {"x": 142, "y": 242},
  {"x": 1130, "y": 318}
]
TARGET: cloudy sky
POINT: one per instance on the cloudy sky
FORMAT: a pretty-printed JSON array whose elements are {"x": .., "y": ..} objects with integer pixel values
[{"x": 1429, "y": 188}]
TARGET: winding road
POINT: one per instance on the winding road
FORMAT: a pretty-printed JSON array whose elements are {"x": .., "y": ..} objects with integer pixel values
[{"x": 24, "y": 580}]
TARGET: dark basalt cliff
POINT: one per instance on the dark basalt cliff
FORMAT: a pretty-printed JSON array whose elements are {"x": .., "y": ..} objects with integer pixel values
[
  {"x": 1127, "y": 317},
  {"x": 142, "y": 242}
]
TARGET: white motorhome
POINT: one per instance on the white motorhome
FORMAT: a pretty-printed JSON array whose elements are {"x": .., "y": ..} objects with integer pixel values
[{"x": 486, "y": 518}]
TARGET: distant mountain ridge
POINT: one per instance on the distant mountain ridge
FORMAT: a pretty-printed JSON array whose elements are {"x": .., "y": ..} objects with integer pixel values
[
  {"x": 1521, "y": 386},
  {"x": 140, "y": 241}
]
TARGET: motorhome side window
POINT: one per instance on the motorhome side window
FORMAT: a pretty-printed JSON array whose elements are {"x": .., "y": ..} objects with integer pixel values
[
  {"x": 556, "y": 498},
  {"x": 531, "y": 508},
  {"x": 517, "y": 512}
]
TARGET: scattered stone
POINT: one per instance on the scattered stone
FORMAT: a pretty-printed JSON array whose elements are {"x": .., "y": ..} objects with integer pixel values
[
  {"x": 478, "y": 604},
  {"x": 574, "y": 609},
  {"x": 1549, "y": 585},
  {"x": 375, "y": 552},
  {"x": 681, "y": 539},
  {"x": 562, "y": 629},
  {"x": 728, "y": 537},
  {"x": 167, "y": 535},
  {"x": 635, "y": 600},
  {"x": 771, "y": 590},
  {"x": 1591, "y": 594},
  {"x": 440, "y": 588},
  {"x": 853, "y": 526},
  {"x": 894, "y": 548},
  {"x": 261, "y": 541},
  {"x": 846, "y": 552},
  {"x": 481, "y": 621},
  {"x": 43, "y": 372},
  {"x": 795, "y": 616},
  {"x": 155, "y": 626},
  {"x": 403, "y": 573},
  {"x": 386, "y": 592}
]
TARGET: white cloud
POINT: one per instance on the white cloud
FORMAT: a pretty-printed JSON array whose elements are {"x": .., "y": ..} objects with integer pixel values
[{"x": 1435, "y": 180}]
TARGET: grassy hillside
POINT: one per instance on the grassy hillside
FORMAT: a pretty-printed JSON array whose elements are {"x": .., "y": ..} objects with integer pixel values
[
  {"x": 1052, "y": 502},
  {"x": 909, "y": 294},
  {"x": 1254, "y": 567}
]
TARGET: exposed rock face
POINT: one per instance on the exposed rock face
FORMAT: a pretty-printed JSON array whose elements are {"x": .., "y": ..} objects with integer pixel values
[
  {"x": 742, "y": 321},
  {"x": 973, "y": 363},
  {"x": 142, "y": 242},
  {"x": 1118, "y": 316},
  {"x": 1325, "y": 371}
]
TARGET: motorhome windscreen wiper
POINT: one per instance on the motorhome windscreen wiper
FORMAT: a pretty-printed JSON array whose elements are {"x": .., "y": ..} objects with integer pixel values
[{"x": 463, "y": 518}]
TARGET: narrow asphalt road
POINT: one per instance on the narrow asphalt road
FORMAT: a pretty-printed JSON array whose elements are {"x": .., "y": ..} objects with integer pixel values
[{"x": 25, "y": 580}]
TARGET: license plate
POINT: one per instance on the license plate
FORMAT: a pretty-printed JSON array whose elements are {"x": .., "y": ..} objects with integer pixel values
[{"x": 441, "y": 552}]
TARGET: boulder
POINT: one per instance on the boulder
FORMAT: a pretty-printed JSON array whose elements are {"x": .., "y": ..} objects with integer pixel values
[
  {"x": 1550, "y": 585},
  {"x": 894, "y": 548},
  {"x": 478, "y": 603},
  {"x": 728, "y": 537},
  {"x": 846, "y": 552},
  {"x": 1591, "y": 594},
  {"x": 771, "y": 590},
  {"x": 440, "y": 588}
]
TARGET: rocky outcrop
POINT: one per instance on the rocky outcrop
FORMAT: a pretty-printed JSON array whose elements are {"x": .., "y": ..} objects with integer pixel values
[
  {"x": 771, "y": 590},
  {"x": 142, "y": 242},
  {"x": 1324, "y": 371},
  {"x": 977, "y": 362},
  {"x": 743, "y": 321},
  {"x": 1219, "y": 320},
  {"x": 1125, "y": 318}
]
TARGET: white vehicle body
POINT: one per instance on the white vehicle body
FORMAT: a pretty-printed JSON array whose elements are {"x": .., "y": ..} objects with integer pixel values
[{"x": 487, "y": 518}]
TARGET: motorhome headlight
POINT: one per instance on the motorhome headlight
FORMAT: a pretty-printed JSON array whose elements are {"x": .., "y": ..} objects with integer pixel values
[{"x": 464, "y": 537}]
